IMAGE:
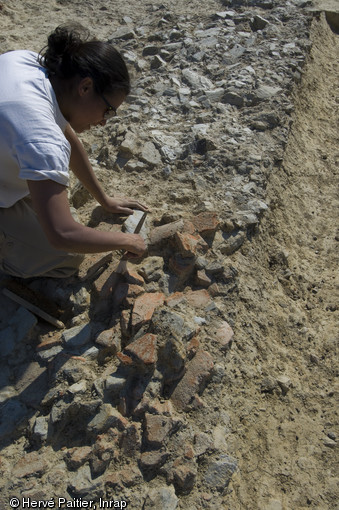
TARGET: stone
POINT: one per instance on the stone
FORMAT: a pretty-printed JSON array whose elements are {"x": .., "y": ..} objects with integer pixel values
[
  {"x": 107, "y": 417},
  {"x": 124, "y": 33},
  {"x": 198, "y": 371},
  {"x": 219, "y": 472},
  {"x": 202, "y": 279},
  {"x": 114, "y": 384},
  {"x": 153, "y": 460},
  {"x": 203, "y": 444},
  {"x": 151, "y": 269},
  {"x": 77, "y": 336},
  {"x": 149, "y": 154},
  {"x": 231, "y": 243},
  {"x": 144, "y": 307},
  {"x": 131, "y": 223},
  {"x": 130, "y": 441},
  {"x": 109, "y": 338},
  {"x": 82, "y": 485},
  {"x": 258, "y": 23},
  {"x": 163, "y": 498},
  {"x": 165, "y": 232}
]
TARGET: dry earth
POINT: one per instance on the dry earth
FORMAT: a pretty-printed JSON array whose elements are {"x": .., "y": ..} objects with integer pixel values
[{"x": 280, "y": 396}]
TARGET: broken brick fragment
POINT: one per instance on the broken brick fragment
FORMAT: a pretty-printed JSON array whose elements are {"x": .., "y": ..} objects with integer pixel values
[
  {"x": 143, "y": 350},
  {"x": 198, "y": 298},
  {"x": 157, "y": 429},
  {"x": 174, "y": 299},
  {"x": 206, "y": 223},
  {"x": 77, "y": 456},
  {"x": 223, "y": 335},
  {"x": 144, "y": 308},
  {"x": 197, "y": 373},
  {"x": 189, "y": 245},
  {"x": 133, "y": 278},
  {"x": 32, "y": 464}
]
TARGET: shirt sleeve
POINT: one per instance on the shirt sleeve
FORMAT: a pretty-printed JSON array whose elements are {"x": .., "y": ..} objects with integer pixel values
[{"x": 40, "y": 160}]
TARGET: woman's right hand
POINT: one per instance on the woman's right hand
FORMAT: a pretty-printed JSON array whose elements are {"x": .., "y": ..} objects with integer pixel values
[{"x": 135, "y": 246}]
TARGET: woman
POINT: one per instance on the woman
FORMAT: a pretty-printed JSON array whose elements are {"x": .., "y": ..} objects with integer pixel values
[{"x": 44, "y": 101}]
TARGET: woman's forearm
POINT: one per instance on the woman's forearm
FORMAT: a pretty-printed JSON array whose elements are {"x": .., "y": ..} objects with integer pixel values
[{"x": 82, "y": 168}]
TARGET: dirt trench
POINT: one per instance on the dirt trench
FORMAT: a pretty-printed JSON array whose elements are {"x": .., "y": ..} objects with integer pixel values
[{"x": 282, "y": 392}]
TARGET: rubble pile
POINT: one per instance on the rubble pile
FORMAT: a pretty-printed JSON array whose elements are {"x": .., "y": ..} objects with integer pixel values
[{"x": 127, "y": 392}]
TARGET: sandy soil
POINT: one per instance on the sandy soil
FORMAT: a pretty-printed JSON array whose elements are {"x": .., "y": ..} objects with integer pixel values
[
  {"x": 287, "y": 317},
  {"x": 281, "y": 393}
]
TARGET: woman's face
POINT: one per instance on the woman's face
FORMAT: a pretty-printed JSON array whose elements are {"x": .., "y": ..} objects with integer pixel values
[{"x": 89, "y": 108}]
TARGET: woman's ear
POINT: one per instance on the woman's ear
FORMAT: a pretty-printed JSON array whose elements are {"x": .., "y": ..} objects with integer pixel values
[{"x": 86, "y": 86}]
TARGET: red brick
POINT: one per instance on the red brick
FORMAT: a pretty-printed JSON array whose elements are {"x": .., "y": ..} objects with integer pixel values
[
  {"x": 106, "y": 283},
  {"x": 174, "y": 299},
  {"x": 198, "y": 298},
  {"x": 133, "y": 278},
  {"x": 154, "y": 407},
  {"x": 198, "y": 371},
  {"x": 144, "y": 308},
  {"x": 206, "y": 223},
  {"x": 143, "y": 350},
  {"x": 223, "y": 335},
  {"x": 125, "y": 360},
  {"x": 157, "y": 429},
  {"x": 32, "y": 464},
  {"x": 189, "y": 245},
  {"x": 77, "y": 456}
]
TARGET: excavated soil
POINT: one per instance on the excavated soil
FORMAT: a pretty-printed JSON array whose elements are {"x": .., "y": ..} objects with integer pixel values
[
  {"x": 276, "y": 412},
  {"x": 287, "y": 316}
]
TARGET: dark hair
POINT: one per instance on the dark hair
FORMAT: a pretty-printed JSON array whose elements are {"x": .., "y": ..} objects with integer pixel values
[{"x": 71, "y": 52}]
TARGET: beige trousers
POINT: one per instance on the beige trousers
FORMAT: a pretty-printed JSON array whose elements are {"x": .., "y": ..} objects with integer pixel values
[{"x": 25, "y": 250}]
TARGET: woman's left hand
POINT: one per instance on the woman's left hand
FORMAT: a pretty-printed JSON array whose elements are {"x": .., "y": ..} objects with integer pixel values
[{"x": 123, "y": 206}]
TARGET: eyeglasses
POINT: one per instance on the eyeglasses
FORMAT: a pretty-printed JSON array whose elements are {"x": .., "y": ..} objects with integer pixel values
[{"x": 111, "y": 110}]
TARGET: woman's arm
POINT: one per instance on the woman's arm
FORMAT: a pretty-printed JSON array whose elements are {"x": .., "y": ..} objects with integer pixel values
[
  {"x": 51, "y": 204},
  {"x": 82, "y": 168}
]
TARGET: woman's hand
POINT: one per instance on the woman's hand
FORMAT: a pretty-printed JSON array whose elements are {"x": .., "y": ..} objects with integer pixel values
[
  {"x": 124, "y": 206},
  {"x": 135, "y": 246}
]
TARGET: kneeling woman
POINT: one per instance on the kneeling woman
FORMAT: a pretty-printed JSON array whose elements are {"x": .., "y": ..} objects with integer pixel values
[{"x": 44, "y": 101}]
